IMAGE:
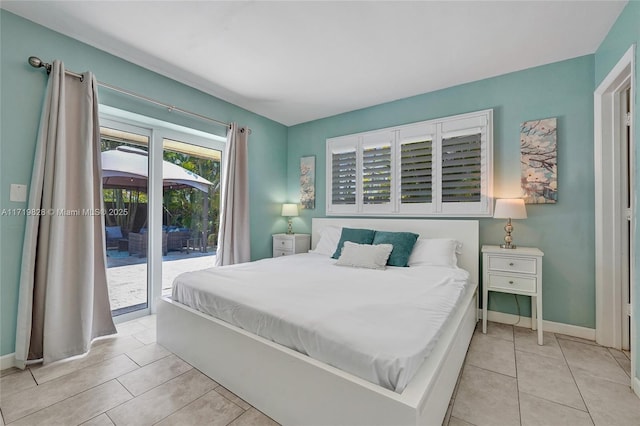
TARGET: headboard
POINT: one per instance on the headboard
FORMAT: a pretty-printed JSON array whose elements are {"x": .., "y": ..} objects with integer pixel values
[{"x": 465, "y": 231}]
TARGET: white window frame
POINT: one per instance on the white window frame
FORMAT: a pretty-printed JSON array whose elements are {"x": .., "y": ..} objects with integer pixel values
[{"x": 480, "y": 122}]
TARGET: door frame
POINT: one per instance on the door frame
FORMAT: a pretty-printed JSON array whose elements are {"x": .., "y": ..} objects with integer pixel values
[
  {"x": 608, "y": 220},
  {"x": 158, "y": 130},
  {"x": 115, "y": 123}
]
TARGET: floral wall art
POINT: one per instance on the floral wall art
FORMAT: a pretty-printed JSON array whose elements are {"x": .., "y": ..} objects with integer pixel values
[
  {"x": 538, "y": 159},
  {"x": 308, "y": 182}
]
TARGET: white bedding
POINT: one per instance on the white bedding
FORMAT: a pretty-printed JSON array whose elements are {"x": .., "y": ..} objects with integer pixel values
[{"x": 377, "y": 325}]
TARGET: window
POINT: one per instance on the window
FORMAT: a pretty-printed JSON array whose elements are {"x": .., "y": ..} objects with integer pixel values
[
  {"x": 461, "y": 168},
  {"x": 435, "y": 167},
  {"x": 416, "y": 172},
  {"x": 344, "y": 182}
]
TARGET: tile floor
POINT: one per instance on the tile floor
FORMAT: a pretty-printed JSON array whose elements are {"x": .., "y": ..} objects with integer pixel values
[
  {"x": 507, "y": 379},
  {"x": 126, "y": 380}
]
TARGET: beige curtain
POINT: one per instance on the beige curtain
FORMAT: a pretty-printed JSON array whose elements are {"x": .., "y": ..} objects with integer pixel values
[
  {"x": 63, "y": 300},
  {"x": 234, "y": 242}
]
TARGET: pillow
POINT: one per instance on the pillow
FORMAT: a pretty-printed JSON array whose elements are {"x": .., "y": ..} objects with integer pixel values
[
  {"x": 329, "y": 237},
  {"x": 402, "y": 242},
  {"x": 435, "y": 252},
  {"x": 360, "y": 236},
  {"x": 113, "y": 232},
  {"x": 364, "y": 255}
]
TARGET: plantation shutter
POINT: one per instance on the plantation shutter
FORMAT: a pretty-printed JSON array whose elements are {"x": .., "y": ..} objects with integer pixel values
[
  {"x": 343, "y": 175},
  {"x": 416, "y": 172},
  {"x": 462, "y": 169},
  {"x": 376, "y": 175},
  {"x": 440, "y": 167}
]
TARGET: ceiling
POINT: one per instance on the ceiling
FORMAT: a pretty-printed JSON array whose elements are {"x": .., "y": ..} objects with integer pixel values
[{"x": 299, "y": 61}]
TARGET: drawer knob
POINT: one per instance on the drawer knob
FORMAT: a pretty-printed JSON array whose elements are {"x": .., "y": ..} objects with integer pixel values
[
  {"x": 282, "y": 242},
  {"x": 511, "y": 282},
  {"x": 511, "y": 263}
]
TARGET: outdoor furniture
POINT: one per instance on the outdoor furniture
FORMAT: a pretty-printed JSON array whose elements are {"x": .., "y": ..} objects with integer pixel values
[
  {"x": 112, "y": 235},
  {"x": 123, "y": 244},
  {"x": 194, "y": 243},
  {"x": 138, "y": 244},
  {"x": 177, "y": 240}
]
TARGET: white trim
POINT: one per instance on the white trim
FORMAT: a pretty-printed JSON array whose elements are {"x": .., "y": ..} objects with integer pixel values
[
  {"x": 607, "y": 250},
  {"x": 436, "y": 129},
  {"x": 119, "y": 114},
  {"x": 7, "y": 361},
  {"x": 550, "y": 326},
  {"x": 130, "y": 316},
  {"x": 635, "y": 381}
]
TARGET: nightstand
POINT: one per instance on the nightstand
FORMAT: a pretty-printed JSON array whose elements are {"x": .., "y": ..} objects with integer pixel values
[
  {"x": 286, "y": 244},
  {"x": 515, "y": 271}
]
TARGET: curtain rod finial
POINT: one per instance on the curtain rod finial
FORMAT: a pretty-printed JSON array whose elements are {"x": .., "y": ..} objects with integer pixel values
[{"x": 35, "y": 62}]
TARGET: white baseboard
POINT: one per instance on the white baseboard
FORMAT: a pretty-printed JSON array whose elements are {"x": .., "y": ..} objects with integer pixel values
[
  {"x": 7, "y": 361},
  {"x": 636, "y": 386},
  {"x": 553, "y": 327}
]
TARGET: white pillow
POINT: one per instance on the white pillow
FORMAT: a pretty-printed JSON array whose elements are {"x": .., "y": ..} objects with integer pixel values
[
  {"x": 365, "y": 255},
  {"x": 435, "y": 252},
  {"x": 329, "y": 238}
]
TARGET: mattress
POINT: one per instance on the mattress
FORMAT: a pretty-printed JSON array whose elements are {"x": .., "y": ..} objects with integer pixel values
[{"x": 377, "y": 325}]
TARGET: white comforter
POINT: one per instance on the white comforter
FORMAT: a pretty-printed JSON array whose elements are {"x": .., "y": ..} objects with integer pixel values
[{"x": 378, "y": 325}]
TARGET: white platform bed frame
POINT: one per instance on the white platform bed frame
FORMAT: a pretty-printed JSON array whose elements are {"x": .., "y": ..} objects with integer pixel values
[{"x": 295, "y": 389}]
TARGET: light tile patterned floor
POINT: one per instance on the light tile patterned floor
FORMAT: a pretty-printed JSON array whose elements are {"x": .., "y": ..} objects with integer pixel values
[
  {"x": 507, "y": 379},
  {"x": 126, "y": 380}
]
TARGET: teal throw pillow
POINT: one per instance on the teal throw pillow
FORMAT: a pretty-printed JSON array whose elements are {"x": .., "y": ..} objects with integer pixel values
[
  {"x": 358, "y": 236},
  {"x": 402, "y": 242}
]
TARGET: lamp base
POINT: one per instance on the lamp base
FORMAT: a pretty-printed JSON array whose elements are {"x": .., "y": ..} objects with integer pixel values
[
  {"x": 507, "y": 238},
  {"x": 289, "y": 229}
]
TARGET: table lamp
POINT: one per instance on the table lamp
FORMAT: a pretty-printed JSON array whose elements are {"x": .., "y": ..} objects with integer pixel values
[
  {"x": 509, "y": 208},
  {"x": 289, "y": 211}
]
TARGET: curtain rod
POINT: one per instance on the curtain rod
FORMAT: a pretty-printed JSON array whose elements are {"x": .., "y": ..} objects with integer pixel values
[{"x": 35, "y": 62}]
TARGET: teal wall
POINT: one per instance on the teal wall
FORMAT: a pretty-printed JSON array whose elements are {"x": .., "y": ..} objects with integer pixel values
[
  {"x": 624, "y": 33},
  {"x": 564, "y": 231},
  {"x": 23, "y": 89}
]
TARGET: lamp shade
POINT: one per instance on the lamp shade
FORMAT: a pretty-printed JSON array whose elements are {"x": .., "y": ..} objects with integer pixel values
[
  {"x": 510, "y": 208},
  {"x": 289, "y": 210}
]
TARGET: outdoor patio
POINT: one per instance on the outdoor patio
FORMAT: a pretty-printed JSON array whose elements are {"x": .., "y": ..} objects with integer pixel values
[{"x": 127, "y": 275}]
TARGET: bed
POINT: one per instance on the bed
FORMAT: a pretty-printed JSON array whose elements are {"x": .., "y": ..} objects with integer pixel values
[{"x": 294, "y": 388}]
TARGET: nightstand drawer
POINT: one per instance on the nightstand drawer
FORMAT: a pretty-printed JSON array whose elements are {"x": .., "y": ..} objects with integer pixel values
[
  {"x": 287, "y": 244},
  {"x": 282, "y": 244},
  {"x": 512, "y": 264},
  {"x": 508, "y": 282}
]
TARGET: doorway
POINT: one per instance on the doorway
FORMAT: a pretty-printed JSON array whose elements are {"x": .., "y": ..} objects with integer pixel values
[
  {"x": 626, "y": 237},
  {"x": 614, "y": 206},
  {"x": 125, "y": 165},
  {"x": 165, "y": 180}
]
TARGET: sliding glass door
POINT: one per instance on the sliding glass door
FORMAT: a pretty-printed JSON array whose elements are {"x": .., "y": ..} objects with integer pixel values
[
  {"x": 125, "y": 166},
  {"x": 161, "y": 191},
  {"x": 190, "y": 210}
]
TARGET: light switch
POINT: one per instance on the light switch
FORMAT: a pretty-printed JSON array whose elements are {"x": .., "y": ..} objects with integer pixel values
[{"x": 18, "y": 193}]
